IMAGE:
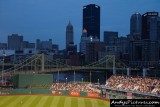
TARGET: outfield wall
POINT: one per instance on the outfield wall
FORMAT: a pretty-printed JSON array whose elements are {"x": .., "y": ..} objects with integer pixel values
[
  {"x": 76, "y": 93},
  {"x": 57, "y": 92},
  {"x": 30, "y": 91},
  {"x": 24, "y": 80}
]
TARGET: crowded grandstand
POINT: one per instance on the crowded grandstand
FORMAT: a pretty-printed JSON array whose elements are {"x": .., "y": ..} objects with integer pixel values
[
  {"x": 136, "y": 84},
  {"x": 75, "y": 87}
]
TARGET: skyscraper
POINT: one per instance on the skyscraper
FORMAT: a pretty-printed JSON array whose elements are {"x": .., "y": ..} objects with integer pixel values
[
  {"x": 91, "y": 20},
  {"x": 135, "y": 26},
  {"x": 151, "y": 26},
  {"x": 69, "y": 34}
]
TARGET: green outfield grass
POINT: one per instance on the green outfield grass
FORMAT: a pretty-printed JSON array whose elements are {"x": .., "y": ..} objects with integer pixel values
[{"x": 50, "y": 101}]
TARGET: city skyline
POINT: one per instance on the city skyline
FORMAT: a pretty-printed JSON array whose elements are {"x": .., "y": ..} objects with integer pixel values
[{"x": 45, "y": 19}]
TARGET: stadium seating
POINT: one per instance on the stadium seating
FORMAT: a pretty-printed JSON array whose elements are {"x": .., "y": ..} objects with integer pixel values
[{"x": 136, "y": 84}]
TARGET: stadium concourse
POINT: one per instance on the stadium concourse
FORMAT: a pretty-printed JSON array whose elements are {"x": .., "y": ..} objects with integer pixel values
[{"x": 145, "y": 85}]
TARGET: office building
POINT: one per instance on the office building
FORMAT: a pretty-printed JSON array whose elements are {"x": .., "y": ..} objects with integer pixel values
[
  {"x": 3, "y": 46},
  {"x": 144, "y": 53},
  {"x": 136, "y": 26},
  {"x": 92, "y": 51},
  {"x": 28, "y": 45},
  {"x": 69, "y": 35},
  {"x": 91, "y": 20},
  {"x": 44, "y": 45},
  {"x": 151, "y": 26},
  {"x": 110, "y": 38},
  {"x": 15, "y": 42},
  {"x": 123, "y": 48},
  {"x": 84, "y": 40}
]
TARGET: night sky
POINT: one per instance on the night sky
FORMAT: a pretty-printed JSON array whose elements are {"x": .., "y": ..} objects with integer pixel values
[{"x": 44, "y": 19}]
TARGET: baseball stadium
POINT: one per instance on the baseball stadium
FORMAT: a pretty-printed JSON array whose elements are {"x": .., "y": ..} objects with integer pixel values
[
  {"x": 79, "y": 53},
  {"x": 38, "y": 90},
  {"x": 43, "y": 84}
]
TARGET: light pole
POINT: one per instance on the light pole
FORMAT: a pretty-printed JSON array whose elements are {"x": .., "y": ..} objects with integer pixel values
[
  {"x": 74, "y": 76},
  {"x": 58, "y": 75},
  {"x": 82, "y": 80},
  {"x": 66, "y": 80},
  {"x": 98, "y": 81},
  {"x": 90, "y": 77},
  {"x": 3, "y": 64}
]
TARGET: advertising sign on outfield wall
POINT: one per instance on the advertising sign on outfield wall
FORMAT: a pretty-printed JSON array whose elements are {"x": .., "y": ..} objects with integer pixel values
[
  {"x": 74, "y": 93},
  {"x": 92, "y": 94},
  {"x": 56, "y": 92}
]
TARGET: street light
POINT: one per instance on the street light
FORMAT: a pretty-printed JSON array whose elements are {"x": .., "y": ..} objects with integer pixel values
[{"x": 66, "y": 80}]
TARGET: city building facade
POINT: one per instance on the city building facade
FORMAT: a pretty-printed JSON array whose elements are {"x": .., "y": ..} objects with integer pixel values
[
  {"x": 136, "y": 26},
  {"x": 110, "y": 38},
  {"x": 3, "y": 46},
  {"x": 86, "y": 39},
  {"x": 151, "y": 26},
  {"x": 92, "y": 51},
  {"x": 28, "y": 45},
  {"x": 15, "y": 42},
  {"x": 44, "y": 45},
  {"x": 144, "y": 53},
  {"x": 91, "y": 20},
  {"x": 69, "y": 35}
]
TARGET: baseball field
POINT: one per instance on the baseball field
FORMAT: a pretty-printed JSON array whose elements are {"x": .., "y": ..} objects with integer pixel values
[{"x": 50, "y": 101}]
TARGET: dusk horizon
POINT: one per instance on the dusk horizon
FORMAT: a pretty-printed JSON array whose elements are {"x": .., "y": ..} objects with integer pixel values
[
  {"x": 79, "y": 53},
  {"x": 46, "y": 20}
]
